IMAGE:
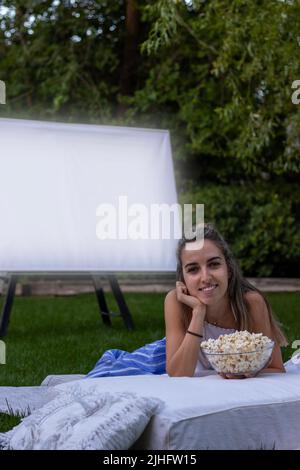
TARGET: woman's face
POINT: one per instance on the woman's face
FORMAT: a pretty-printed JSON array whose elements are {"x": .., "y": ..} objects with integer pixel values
[{"x": 205, "y": 272}]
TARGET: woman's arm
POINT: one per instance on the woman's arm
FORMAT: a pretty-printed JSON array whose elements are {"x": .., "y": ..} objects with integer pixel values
[
  {"x": 182, "y": 349},
  {"x": 261, "y": 324}
]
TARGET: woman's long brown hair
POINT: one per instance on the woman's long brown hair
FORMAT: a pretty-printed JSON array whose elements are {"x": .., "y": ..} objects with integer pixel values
[{"x": 237, "y": 285}]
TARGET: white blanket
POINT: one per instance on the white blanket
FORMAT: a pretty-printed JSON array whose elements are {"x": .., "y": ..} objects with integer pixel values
[
  {"x": 212, "y": 413},
  {"x": 22, "y": 401},
  {"x": 187, "y": 413},
  {"x": 81, "y": 419}
]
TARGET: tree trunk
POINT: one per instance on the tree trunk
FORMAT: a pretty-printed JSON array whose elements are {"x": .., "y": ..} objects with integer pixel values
[{"x": 131, "y": 52}]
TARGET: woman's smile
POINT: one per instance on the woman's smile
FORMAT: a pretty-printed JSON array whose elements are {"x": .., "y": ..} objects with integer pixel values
[
  {"x": 208, "y": 291},
  {"x": 209, "y": 288}
]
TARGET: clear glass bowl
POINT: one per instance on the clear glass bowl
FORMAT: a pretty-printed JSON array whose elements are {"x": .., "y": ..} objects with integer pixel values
[{"x": 240, "y": 363}]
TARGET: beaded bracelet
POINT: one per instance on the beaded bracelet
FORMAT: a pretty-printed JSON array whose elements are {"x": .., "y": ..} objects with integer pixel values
[{"x": 195, "y": 334}]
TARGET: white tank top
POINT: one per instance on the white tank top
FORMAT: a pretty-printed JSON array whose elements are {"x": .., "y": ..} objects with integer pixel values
[{"x": 209, "y": 331}]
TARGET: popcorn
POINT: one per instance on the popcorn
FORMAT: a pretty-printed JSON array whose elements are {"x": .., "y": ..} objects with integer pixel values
[{"x": 238, "y": 353}]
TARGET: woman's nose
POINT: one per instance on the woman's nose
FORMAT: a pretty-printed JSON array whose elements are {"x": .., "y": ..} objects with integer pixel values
[{"x": 205, "y": 275}]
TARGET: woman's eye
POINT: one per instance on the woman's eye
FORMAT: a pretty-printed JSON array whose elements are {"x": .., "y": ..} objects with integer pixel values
[
  {"x": 192, "y": 270},
  {"x": 214, "y": 264}
]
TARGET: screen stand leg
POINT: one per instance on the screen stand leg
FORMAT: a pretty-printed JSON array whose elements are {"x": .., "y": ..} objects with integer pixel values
[
  {"x": 124, "y": 311},
  {"x": 105, "y": 313},
  {"x": 101, "y": 301},
  {"x": 7, "y": 306}
]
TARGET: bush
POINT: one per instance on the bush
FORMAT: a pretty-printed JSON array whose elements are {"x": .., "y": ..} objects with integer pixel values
[{"x": 259, "y": 221}]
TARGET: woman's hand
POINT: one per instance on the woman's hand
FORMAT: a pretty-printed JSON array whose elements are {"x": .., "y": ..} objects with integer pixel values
[
  {"x": 241, "y": 376},
  {"x": 187, "y": 299}
]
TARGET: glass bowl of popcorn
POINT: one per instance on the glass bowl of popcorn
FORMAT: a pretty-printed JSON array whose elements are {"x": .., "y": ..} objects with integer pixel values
[{"x": 239, "y": 353}]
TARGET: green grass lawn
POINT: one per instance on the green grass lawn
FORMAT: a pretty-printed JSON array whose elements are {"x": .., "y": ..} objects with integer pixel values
[{"x": 66, "y": 335}]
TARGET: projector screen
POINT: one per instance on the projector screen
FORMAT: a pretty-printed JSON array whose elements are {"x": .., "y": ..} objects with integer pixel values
[{"x": 79, "y": 198}]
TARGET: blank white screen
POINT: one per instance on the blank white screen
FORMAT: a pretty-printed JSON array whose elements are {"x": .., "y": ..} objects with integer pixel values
[{"x": 53, "y": 178}]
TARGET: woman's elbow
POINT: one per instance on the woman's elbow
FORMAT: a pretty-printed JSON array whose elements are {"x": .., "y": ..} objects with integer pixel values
[
  {"x": 170, "y": 372},
  {"x": 174, "y": 373}
]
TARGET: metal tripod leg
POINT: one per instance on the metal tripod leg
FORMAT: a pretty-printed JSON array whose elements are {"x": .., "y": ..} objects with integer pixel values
[
  {"x": 101, "y": 301},
  {"x": 124, "y": 311},
  {"x": 7, "y": 306}
]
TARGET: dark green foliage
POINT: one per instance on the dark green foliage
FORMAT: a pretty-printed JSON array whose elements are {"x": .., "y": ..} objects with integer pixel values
[
  {"x": 63, "y": 59},
  {"x": 259, "y": 221},
  {"x": 225, "y": 70},
  {"x": 217, "y": 73}
]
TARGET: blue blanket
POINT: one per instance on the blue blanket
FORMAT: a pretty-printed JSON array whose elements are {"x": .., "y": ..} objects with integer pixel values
[{"x": 149, "y": 359}]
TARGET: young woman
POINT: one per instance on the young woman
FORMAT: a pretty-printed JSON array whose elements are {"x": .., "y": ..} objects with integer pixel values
[{"x": 212, "y": 298}]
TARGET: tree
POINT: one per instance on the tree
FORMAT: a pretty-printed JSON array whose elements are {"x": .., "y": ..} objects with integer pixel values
[
  {"x": 61, "y": 59},
  {"x": 131, "y": 52},
  {"x": 221, "y": 75},
  {"x": 218, "y": 74}
]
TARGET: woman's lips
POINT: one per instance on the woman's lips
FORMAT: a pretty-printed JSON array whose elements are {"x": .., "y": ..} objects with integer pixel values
[{"x": 208, "y": 289}]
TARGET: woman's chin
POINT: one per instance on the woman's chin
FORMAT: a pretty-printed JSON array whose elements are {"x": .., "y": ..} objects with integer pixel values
[{"x": 204, "y": 300}]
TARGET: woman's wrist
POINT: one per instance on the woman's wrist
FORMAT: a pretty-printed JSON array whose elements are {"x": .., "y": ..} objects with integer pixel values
[
  {"x": 194, "y": 334},
  {"x": 199, "y": 310}
]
